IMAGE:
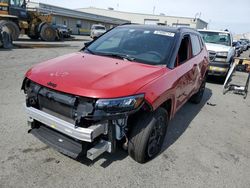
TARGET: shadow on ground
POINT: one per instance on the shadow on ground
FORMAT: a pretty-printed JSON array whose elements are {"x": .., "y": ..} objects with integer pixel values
[
  {"x": 61, "y": 40},
  {"x": 108, "y": 158},
  {"x": 216, "y": 80},
  {"x": 183, "y": 118},
  {"x": 5, "y": 49},
  {"x": 26, "y": 45}
]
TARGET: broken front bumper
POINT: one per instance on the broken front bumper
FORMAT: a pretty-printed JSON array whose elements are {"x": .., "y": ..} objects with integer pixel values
[
  {"x": 79, "y": 133},
  {"x": 218, "y": 68}
]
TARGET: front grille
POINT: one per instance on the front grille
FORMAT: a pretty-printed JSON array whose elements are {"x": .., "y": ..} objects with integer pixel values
[
  {"x": 212, "y": 55},
  {"x": 57, "y": 102},
  {"x": 221, "y": 59},
  {"x": 68, "y": 107}
]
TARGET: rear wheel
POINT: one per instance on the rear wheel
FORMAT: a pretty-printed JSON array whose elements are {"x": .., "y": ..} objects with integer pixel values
[
  {"x": 33, "y": 33},
  {"x": 5, "y": 38},
  {"x": 47, "y": 33},
  {"x": 12, "y": 27},
  {"x": 147, "y": 135}
]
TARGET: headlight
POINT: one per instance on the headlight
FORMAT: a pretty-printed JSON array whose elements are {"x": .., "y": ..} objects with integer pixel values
[
  {"x": 224, "y": 54},
  {"x": 119, "y": 105}
]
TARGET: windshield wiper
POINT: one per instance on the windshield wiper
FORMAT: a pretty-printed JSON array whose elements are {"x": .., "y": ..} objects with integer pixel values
[
  {"x": 120, "y": 56},
  {"x": 212, "y": 42},
  {"x": 90, "y": 51}
]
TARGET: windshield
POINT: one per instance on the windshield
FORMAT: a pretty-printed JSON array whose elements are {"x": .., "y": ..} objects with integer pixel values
[
  {"x": 146, "y": 46},
  {"x": 216, "y": 37},
  {"x": 4, "y": 1},
  {"x": 18, "y": 3},
  {"x": 99, "y": 28}
]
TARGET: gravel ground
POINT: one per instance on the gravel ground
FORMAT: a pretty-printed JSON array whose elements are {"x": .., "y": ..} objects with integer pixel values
[{"x": 206, "y": 145}]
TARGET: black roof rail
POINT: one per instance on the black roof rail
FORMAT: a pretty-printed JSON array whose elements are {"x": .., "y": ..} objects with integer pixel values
[
  {"x": 187, "y": 28},
  {"x": 129, "y": 23},
  {"x": 190, "y": 28}
]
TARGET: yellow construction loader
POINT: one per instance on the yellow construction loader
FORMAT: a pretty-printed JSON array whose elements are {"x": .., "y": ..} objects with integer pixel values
[{"x": 18, "y": 19}]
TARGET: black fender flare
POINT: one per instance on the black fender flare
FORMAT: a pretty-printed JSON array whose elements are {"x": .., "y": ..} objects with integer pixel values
[{"x": 40, "y": 26}]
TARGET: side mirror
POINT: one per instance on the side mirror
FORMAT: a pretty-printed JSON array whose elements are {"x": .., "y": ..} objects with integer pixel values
[{"x": 86, "y": 44}]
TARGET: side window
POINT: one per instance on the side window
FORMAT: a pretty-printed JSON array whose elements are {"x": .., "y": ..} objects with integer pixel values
[
  {"x": 185, "y": 51},
  {"x": 202, "y": 42},
  {"x": 196, "y": 47},
  {"x": 17, "y": 2}
]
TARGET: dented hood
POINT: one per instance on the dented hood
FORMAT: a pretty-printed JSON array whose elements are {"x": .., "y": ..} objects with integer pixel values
[
  {"x": 217, "y": 47},
  {"x": 94, "y": 76}
]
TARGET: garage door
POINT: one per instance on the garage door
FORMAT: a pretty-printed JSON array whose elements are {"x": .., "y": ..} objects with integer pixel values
[{"x": 151, "y": 22}]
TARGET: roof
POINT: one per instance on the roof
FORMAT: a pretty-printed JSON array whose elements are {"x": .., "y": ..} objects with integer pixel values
[
  {"x": 56, "y": 10},
  {"x": 160, "y": 27},
  {"x": 124, "y": 12},
  {"x": 217, "y": 31}
]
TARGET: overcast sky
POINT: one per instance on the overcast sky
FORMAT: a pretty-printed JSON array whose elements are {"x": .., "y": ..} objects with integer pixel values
[{"x": 220, "y": 14}]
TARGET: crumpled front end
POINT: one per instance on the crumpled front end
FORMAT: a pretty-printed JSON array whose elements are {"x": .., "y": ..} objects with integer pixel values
[{"x": 74, "y": 125}]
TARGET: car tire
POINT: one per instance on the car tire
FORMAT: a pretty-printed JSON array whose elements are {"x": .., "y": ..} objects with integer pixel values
[
  {"x": 47, "y": 33},
  {"x": 14, "y": 30},
  {"x": 197, "y": 97},
  {"x": 147, "y": 135}
]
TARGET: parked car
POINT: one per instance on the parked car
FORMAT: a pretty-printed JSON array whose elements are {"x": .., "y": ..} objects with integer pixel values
[
  {"x": 238, "y": 48},
  {"x": 247, "y": 42},
  {"x": 123, "y": 87},
  {"x": 63, "y": 30},
  {"x": 241, "y": 47},
  {"x": 97, "y": 30},
  {"x": 244, "y": 45},
  {"x": 221, "y": 51}
]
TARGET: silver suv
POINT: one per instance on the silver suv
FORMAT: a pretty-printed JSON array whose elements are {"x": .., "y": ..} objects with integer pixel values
[{"x": 221, "y": 51}]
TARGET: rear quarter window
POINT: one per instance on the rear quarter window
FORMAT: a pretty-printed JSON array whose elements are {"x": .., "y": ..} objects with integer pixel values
[
  {"x": 202, "y": 42},
  {"x": 196, "y": 45}
]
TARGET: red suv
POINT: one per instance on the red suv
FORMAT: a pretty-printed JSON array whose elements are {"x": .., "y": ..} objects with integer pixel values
[{"x": 120, "y": 89}]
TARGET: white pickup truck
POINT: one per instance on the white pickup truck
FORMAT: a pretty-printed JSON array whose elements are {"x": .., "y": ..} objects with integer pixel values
[{"x": 221, "y": 51}]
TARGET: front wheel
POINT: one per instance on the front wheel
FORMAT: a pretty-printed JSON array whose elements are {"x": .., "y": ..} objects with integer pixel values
[
  {"x": 147, "y": 135},
  {"x": 48, "y": 33},
  {"x": 13, "y": 28}
]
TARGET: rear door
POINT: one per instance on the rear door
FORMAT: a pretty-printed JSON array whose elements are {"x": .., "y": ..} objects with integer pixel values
[
  {"x": 197, "y": 61},
  {"x": 184, "y": 71}
]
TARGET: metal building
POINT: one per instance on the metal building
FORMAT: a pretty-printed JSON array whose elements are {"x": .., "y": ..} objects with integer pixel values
[
  {"x": 196, "y": 23},
  {"x": 80, "y": 22}
]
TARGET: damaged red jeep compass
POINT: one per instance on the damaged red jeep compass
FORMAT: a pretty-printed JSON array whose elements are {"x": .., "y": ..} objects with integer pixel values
[{"x": 119, "y": 90}]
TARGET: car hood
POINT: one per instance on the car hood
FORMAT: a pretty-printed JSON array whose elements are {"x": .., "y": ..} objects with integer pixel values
[
  {"x": 94, "y": 76},
  {"x": 99, "y": 31},
  {"x": 217, "y": 47}
]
